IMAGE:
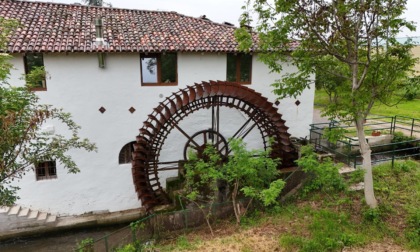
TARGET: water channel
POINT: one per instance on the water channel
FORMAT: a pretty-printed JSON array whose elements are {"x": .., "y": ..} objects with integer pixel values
[{"x": 55, "y": 242}]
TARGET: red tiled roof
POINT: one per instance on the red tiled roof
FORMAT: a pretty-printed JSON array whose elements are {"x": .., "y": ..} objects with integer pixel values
[{"x": 54, "y": 27}]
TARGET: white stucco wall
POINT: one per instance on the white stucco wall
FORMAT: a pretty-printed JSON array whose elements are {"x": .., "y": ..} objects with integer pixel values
[{"x": 79, "y": 86}]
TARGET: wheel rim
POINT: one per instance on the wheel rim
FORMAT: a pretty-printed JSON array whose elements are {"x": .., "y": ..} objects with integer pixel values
[{"x": 262, "y": 115}]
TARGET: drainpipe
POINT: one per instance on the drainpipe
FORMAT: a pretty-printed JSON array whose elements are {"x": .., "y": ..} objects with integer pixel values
[{"x": 100, "y": 41}]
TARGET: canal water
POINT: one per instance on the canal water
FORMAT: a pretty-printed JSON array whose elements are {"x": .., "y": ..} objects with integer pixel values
[{"x": 55, "y": 242}]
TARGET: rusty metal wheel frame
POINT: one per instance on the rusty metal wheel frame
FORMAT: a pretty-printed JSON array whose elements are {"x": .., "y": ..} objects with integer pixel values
[{"x": 207, "y": 95}]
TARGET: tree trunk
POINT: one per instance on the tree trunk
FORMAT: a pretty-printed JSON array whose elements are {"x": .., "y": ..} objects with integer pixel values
[
  {"x": 236, "y": 207},
  {"x": 365, "y": 151}
]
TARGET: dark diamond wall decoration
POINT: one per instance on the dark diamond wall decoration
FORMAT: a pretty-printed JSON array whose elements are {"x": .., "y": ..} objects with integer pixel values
[
  {"x": 102, "y": 110},
  {"x": 277, "y": 102},
  {"x": 131, "y": 110},
  {"x": 297, "y": 103}
]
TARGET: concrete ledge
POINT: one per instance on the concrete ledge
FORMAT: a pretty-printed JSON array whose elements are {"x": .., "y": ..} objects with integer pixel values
[{"x": 74, "y": 222}]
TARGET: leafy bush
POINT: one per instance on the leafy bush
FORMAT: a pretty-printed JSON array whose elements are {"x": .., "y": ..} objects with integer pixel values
[
  {"x": 127, "y": 248},
  {"x": 86, "y": 245},
  {"x": 400, "y": 137},
  {"x": 250, "y": 174},
  {"x": 323, "y": 176},
  {"x": 334, "y": 134},
  {"x": 412, "y": 89}
]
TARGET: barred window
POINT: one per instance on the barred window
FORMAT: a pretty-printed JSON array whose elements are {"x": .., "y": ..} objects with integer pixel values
[
  {"x": 46, "y": 170},
  {"x": 125, "y": 155}
]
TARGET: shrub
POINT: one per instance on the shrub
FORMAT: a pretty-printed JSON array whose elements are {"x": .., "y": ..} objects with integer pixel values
[
  {"x": 86, "y": 245},
  {"x": 323, "y": 176},
  {"x": 250, "y": 174}
]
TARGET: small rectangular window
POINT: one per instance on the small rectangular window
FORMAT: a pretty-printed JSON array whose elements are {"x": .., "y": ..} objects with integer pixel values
[
  {"x": 45, "y": 170},
  {"x": 239, "y": 68},
  {"x": 159, "y": 69},
  {"x": 35, "y": 61}
]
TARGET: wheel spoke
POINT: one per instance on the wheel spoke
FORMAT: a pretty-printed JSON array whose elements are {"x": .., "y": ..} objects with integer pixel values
[
  {"x": 204, "y": 138},
  {"x": 215, "y": 118},
  {"x": 185, "y": 134},
  {"x": 242, "y": 132},
  {"x": 166, "y": 166}
]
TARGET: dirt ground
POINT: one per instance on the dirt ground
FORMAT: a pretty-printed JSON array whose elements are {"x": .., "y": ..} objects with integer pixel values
[{"x": 263, "y": 239}]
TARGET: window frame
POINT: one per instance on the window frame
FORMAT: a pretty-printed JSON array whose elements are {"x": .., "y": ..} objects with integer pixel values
[
  {"x": 45, "y": 167},
  {"x": 27, "y": 70},
  {"x": 159, "y": 82},
  {"x": 238, "y": 68},
  {"x": 126, "y": 151}
]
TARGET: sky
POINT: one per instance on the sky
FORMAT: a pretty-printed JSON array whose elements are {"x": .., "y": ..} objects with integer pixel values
[{"x": 222, "y": 10}]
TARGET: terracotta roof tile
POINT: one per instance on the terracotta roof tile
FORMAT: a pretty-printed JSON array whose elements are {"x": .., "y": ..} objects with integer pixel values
[{"x": 54, "y": 27}]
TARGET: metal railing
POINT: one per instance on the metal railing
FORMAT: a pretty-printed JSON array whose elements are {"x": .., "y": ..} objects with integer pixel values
[
  {"x": 346, "y": 148},
  {"x": 407, "y": 124}
]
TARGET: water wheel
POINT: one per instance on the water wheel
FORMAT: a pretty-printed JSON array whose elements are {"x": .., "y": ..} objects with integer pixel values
[{"x": 259, "y": 116}]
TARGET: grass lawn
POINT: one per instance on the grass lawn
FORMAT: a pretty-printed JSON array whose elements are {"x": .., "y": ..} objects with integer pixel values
[{"x": 404, "y": 108}]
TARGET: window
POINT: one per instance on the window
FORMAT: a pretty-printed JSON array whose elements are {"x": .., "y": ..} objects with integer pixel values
[
  {"x": 45, "y": 170},
  {"x": 125, "y": 156},
  {"x": 239, "y": 68},
  {"x": 159, "y": 69},
  {"x": 35, "y": 61}
]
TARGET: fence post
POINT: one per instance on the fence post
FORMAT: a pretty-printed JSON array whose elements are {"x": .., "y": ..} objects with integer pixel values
[
  {"x": 133, "y": 235},
  {"x": 391, "y": 131},
  {"x": 106, "y": 243},
  {"x": 395, "y": 122},
  {"x": 412, "y": 127},
  {"x": 393, "y": 155}
]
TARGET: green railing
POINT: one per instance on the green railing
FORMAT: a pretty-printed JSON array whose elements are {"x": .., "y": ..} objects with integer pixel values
[{"x": 346, "y": 149}]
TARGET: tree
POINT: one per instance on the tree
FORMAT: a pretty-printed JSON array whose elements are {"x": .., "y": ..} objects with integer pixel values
[
  {"x": 23, "y": 141},
  {"x": 96, "y": 3},
  {"x": 93, "y": 2},
  {"x": 351, "y": 42}
]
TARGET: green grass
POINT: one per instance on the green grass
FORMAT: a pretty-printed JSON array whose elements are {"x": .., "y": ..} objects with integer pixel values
[
  {"x": 404, "y": 108},
  {"x": 325, "y": 234}
]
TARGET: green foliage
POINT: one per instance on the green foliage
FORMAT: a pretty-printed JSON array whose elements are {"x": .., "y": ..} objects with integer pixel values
[
  {"x": 334, "y": 134},
  {"x": 8, "y": 195},
  {"x": 127, "y": 248},
  {"x": 413, "y": 230},
  {"x": 357, "y": 176},
  {"x": 400, "y": 137},
  {"x": 322, "y": 175},
  {"x": 250, "y": 174},
  {"x": 137, "y": 225},
  {"x": 254, "y": 172},
  {"x": 412, "y": 89},
  {"x": 334, "y": 221},
  {"x": 373, "y": 215},
  {"x": 326, "y": 234},
  {"x": 86, "y": 245},
  {"x": 351, "y": 44},
  {"x": 36, "y": 77},
  {"x": 23, "y": 142},
  {"x": 329, "y": 50},
  {"x": 202, "y": 175},
  {"x": 183, "y": 243},
  {"x": 404, "y": 108},
  {"x": 269, "y": 196}
]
